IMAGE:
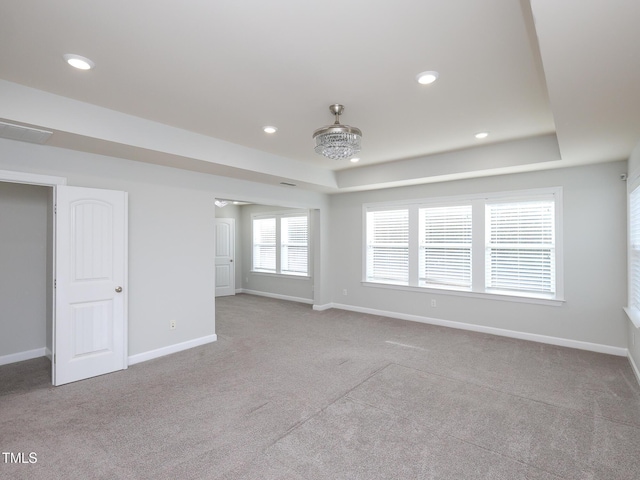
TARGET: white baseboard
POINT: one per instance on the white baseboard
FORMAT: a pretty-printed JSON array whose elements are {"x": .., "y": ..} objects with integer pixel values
[
  {"x": 321, "y": 308},
  {"x": 48, "y": 353},
  {"x": 22, "y": 356},
  {"x": 178, "y": 347},
  {"x": 534, "y": 337},
  {"x": 276, "y": 295}
]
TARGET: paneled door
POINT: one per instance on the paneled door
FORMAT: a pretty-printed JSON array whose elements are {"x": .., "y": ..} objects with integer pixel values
[
  {"x": 90, "y": 322},
  {"x": 225, "y": 252}
]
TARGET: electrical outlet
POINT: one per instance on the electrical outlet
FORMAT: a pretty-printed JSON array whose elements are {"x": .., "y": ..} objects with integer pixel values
[
  {"x": 172, "y": 324},
  {"x": 433, "y": 302},
  {"x": 344, "y": 291}
]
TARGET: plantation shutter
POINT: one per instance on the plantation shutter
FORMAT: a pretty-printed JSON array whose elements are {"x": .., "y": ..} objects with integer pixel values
[
  {"x": 264, "y": 244},
  {"x": 520, "y": 250},
  {"x": 445, "y": 246},
  {"x": 634, "y": 251},
  {"x": 388, "y": 246},
  {"x": 294, "y": 239}
]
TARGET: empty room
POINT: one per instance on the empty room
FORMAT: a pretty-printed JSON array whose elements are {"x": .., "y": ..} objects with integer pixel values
[{"x": 320, "y": 240}]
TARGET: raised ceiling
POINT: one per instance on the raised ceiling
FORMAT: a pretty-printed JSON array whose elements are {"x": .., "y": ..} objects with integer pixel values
[{"x": 560, "y": 90}]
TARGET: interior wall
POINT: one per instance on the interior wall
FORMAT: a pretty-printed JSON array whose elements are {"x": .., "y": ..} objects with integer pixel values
[
  {"x": 23, "y": 267},
  {"x": 290, "y": 286},
  {"x": 171, "y": 233},
  {"x": 594, "y": 258}
]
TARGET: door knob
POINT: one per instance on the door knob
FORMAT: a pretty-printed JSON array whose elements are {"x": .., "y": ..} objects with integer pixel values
[{"x": 118, "y": 289}]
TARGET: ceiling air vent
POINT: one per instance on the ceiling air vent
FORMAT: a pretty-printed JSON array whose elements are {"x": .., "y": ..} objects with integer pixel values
[{"x": 23, "y": 134}]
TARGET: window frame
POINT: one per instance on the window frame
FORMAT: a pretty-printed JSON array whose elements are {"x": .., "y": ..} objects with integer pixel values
[
  {"x": 278, "y": 216},
  {"x": 478, "y": 206},
  {"x": 632, "y": 309}
]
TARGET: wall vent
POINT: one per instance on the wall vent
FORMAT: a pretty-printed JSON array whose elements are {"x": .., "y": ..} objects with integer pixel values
[{"x": 23, "y": 134}]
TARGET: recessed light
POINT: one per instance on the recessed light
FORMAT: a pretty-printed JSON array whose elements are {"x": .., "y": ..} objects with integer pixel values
[
  {"x": 269, "y": 129},
  {"x": 425, "y": 78},
  {"x": 355, "y": 160},
  {"x": 481, "y": 135},
  {"x": 76, "y": 61}
]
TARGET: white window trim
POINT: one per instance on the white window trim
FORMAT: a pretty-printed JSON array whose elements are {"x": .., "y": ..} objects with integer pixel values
[
  {"x": 478, "y": 244},
  {"x": 632, "y": 311},
  {"x": 278, "y": 215}
]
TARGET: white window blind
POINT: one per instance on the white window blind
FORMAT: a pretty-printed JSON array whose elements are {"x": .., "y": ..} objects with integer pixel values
[
  {"x": 634, "y": 249},
  {"x": 445, "y": 246},
  {"x": 520, "y": 249},
  {"x": 294, "y": 250},
  {"x": 506, "y": 244},
  {"x": 388, "y": 246},
  {"x": 264, "y": 244}
]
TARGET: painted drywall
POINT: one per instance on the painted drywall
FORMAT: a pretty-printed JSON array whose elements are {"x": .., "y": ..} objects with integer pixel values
[
  {"x": 171, "y": 233},
  {"x": 23, "y": 267},
  {"x": 115, "y": 133},
  {"x": 286, "y": 286},
  {"x": 594, "y": 258}
]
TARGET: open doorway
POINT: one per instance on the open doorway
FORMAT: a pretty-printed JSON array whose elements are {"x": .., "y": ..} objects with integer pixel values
[
  {"x": 282, "y": 280},
  {"x": 85, "y": 327},
  {"x": 26, "y": 273}
]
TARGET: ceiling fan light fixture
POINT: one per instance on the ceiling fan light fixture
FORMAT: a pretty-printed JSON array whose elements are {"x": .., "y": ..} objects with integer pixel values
[{"x": 337, "y": 141}]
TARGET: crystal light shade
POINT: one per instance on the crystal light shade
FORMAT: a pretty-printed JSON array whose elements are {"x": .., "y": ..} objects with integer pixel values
[{"x": 337, "y": 141}]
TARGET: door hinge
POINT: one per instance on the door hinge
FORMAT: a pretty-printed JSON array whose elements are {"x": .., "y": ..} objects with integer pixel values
[
  {"x": 55, "y": 209},
  {"x": 54, "y": 358},
  {"x": 55, "y": 284}
]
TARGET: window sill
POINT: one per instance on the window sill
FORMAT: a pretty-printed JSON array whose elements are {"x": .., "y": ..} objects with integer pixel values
[
  {"x": 461, "y": 293},
  {"x": 280, "y": 275},
  {"x": 634, "y": 316}
]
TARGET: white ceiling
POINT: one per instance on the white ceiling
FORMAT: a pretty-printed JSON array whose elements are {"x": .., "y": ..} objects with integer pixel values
[{"x": 220, "y": 70}]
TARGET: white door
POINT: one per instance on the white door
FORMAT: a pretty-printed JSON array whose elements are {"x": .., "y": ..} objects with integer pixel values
[
  {"x": 90, "y": 321},
  {"x": 225, "y": 268}
]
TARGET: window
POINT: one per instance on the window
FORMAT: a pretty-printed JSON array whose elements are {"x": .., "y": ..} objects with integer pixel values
[
  {"x": 264, "y": 244},
  {"x": 445, "y": 246},
  {"x": 499, "y": 244},
  {"x": 521, "y": 246},
  {"x": 295, "y": 240},
  {"x": 281, "y": 243},
  {"x": 388, "y": 246},
  {"x": 633, "y": 308}
]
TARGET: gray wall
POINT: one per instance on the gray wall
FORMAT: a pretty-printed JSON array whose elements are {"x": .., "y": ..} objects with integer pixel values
[
  {"x": 171, "y": 233},
  {"x": 23, "y": 267},
  {"x": 594, "y": 258}
]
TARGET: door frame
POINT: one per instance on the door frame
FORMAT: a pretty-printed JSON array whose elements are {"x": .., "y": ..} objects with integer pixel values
[{"x": 25, "y": 178}]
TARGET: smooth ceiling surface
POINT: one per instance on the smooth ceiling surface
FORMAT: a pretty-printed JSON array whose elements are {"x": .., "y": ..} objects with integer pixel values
[{"x": 224, "y": 69}]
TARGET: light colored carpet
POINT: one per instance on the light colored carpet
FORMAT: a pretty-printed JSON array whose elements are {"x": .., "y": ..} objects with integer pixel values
[{"x": 289, "y": 393}]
